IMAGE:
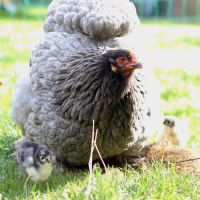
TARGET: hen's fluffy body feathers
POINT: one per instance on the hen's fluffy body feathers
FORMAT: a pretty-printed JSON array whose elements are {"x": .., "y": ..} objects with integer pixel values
[
  {"x": 20, "y": 102},
  {"x": 79, "y": 91}
]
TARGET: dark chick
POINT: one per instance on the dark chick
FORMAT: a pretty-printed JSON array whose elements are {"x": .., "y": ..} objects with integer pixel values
[{"x": 35, "y": 161}]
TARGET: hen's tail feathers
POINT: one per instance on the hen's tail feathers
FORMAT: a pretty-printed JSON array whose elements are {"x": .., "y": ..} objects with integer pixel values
[{"x": 20, "y": 102}]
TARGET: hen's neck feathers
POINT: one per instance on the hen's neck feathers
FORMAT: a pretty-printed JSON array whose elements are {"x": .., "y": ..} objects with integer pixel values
[{"x": 97, "y": 69}]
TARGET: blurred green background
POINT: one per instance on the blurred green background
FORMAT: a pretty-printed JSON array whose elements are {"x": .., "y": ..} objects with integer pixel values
[{"x": 180, "y": 10}]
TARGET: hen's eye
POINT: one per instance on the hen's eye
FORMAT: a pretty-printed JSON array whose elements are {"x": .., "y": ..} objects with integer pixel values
[{"x": 122, "y": 59}]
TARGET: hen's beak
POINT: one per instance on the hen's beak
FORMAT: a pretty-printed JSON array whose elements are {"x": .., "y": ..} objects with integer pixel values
[{"x": 136, "y": 66}]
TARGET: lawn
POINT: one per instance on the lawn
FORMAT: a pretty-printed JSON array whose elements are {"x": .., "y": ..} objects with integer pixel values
[{"x": 172, "y": 50}]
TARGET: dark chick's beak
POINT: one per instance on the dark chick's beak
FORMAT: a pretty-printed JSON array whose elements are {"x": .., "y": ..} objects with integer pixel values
[{"x": 137, "y": 66}]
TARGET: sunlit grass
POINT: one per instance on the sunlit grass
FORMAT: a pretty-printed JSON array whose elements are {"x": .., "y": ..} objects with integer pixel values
[{"x": 172, "y": 50}]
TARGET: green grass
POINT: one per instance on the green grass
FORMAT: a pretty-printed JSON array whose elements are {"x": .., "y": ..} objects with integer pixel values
[{"x": 173, "y": 47}]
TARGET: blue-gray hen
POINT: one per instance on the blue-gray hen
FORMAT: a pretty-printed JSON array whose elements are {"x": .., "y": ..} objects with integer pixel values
[{"x": 81, "y": 70}]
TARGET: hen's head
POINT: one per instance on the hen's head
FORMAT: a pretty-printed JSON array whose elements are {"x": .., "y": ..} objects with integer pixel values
[{"x": 122, "y": 61}]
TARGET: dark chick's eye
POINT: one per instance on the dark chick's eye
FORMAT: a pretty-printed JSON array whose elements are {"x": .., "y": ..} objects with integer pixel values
[{"x": 42, "y": 158}]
